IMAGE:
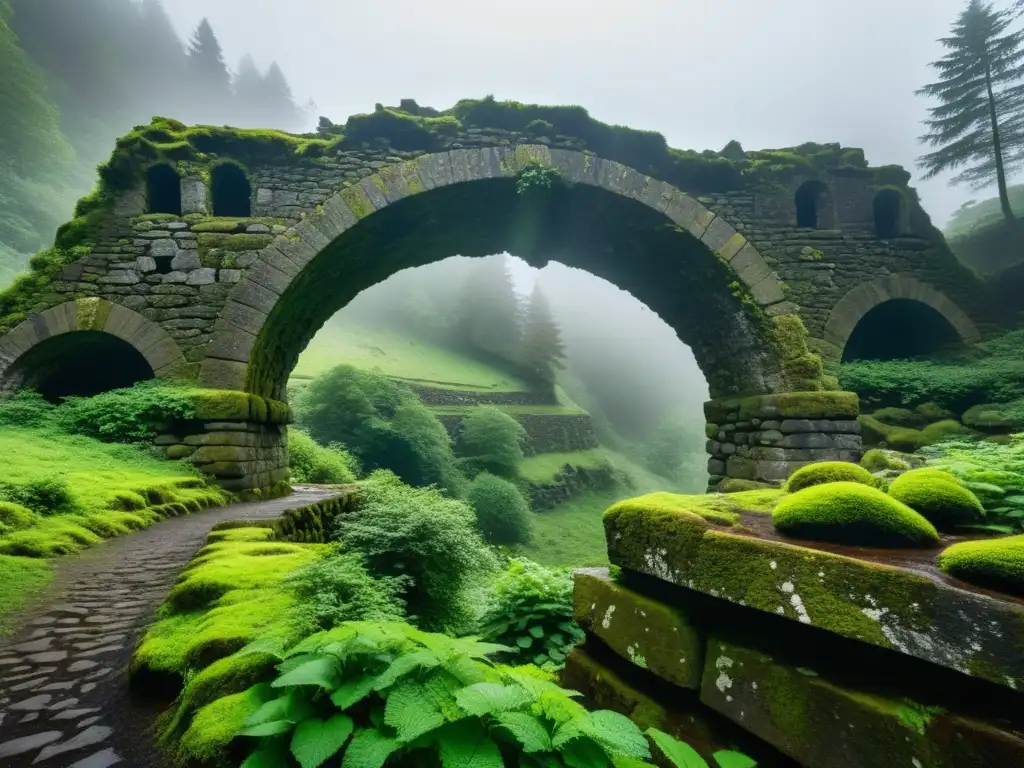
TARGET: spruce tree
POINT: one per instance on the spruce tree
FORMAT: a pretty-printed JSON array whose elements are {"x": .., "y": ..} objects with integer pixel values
[
  {"x": 977, "y": 123},
  {"x": 541, "y": 351},
  {"x": 209, "y": 75},
  {"x": 248, "y": 88},
  {"x": 488, "y": 312},
  {"x": 278, "y": 100}
]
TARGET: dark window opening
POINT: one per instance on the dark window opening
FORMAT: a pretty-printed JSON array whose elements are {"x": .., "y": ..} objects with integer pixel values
[
  {"x": 808, "y": 202},
  {"x": 899, "y": 329},
  {"x": 888, "y": 207},
  {"x": 163, "y": 264},
  {"x": 232, "y": 195},
  {"x": 163, "y": 190},
  {"x": 81, "y": 364}
]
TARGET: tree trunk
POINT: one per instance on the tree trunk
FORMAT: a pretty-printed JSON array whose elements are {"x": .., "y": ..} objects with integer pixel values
[{"x": 997, "y": 147}]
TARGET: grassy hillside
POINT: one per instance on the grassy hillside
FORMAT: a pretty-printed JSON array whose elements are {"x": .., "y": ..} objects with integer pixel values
[
  {"x": 983, "y": 213},
  {"x": 400, "y": 357}
]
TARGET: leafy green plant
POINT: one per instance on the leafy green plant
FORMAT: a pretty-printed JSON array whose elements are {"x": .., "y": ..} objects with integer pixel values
[
  {"x": 43, "y": 495},
  {"x": 25, "y": 408},
  {"x": 311, "y": 462},
  {"x": 377, "y": 693},
  {"x": 425, "y": 537},
  {"x": 682, "y": 755},
  {"x": 130, "y": 415},
  {"x": 536, "y": 178},
  {"x": 491, "y": 441},
  {"x": 530, "y": 611},
  {"x": 502, "y": 513}
]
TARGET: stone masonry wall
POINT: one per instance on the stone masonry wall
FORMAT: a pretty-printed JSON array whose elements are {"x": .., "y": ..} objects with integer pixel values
[{"x": 546, "y": 433}]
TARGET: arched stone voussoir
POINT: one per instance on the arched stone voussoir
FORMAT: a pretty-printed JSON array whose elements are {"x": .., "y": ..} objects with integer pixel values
[
  {"x": 156, "y": 346},
  {"x": 860, "y": 300}
]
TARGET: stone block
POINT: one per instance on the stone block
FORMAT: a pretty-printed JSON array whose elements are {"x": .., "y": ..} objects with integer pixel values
[
  {"x": 716, "y": 467},
  {"x": 254, "y": 295},
  {"x": 791, "y": 426},
  {"x": 164, "y": 248},
  {"x": 806, "y": 440},
  {"x": 145, "y": 264},
  {"x": 229, "y": 276},
  {"x": 185, "y": 260},
  {"x": 180, "y": 451},
  {"x": 847, "y": 442},
  {"x": 767, "y": 291},
  {"x": 740, "y": 468},
  {"x": 718, "y": 234},
  {"x": 222, "y": 374},
  {"x": 645, "y": 632},
  {"x": 769, "y": 437},
  {"x": 176, "y": 278},
  {"x": 193, "y": 196},
  {"x": 204, "y": 276},
  {"x": 120, "y": 277},
  {"x": 232, "y": 344}
]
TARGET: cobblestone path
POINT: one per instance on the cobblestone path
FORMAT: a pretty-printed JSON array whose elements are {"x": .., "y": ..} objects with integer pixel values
[{"x": 64, "y": 697}]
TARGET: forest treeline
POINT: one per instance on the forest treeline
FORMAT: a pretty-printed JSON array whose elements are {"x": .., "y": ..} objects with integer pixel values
[{"x": 77, "y": 75}]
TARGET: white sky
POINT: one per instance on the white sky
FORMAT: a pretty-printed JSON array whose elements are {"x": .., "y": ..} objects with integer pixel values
[{"x": 766, "y": 72}]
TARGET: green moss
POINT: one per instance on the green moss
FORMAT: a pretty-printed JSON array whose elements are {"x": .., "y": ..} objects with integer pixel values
[
  {"x": 245, "y": 534},
  {"x": 898, "y": 417},
  {"x": 717, "y": 508},
  {"x": 15, "y": 517},
  {"x": 942, "y": 430},
  {"x": 215, "y": 725},
  {"x": 851, "y": 513},
  {"x": 21, "y": 580},
  {"x": 991, "y": 418},
  {"x": 905, "y": 439},
  {"x": 933, "y": 412},
  {"x": 230, "y": 405},
  {"x": 997, "y": 563},
  {"x": 801, "y": 405},
  {"x": 828, "y": 472},
  {"x": 938, "y": 496},
  {"x": 736, "y": 485},
  {"x": 878, "y": 460}
]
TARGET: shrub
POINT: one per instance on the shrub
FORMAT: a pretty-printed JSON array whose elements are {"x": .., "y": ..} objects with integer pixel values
[
  {"x": 131, "y": 415},
  {"x": 941, "y": 430},
  {"x": 25, "y": 408},
  {"x": 382, "y": 423},
  {"x": 997, "y": 563},
  {"x": 338, "y": 588},
  {"x": 16, "y": 517},
  {"x": 42, "y": 495},
  {"x": 421, "y": 534},
  {"x": 529, "y": 609},
  {"x": 933, "y": 412},
  {"x": 387, "y": 692},
  {"x": 938, "y": 496},
  {"x": 502, "y": 513},
  {"x": 898, "y": 417},
  {"x": 878, "y": 460},
  {"x": 852, "y": 513},
  {"x": 491, "y": 441},
  {"x": 828, "y": 472},
  {"x": 311, "y": 462}
]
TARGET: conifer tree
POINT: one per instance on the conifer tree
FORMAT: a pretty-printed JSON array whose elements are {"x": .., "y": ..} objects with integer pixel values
[
  {"x": 977, "y": 125},
  {"x": 541, "y": 351},
  {"x": 248, "y": 85},
  {"x": 488, "y": 312},
  {"x": 208, "y": 74}
]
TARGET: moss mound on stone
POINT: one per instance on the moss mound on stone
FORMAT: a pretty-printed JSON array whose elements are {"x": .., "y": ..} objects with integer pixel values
[
  {"x": 852, "y": 513},
  {"x": 828, "y": 472},
  {"x": 938, "y": 496},
  {"x": 898, "y": 417},
  {"x": 717, "y": 508},
  {"x": 878, "y": 460},
  {"x": 997, "y": 563}
]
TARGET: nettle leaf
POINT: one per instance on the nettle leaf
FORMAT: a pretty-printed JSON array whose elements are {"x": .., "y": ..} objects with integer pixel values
[
  {"x": 324, "y": 671},
  {"x": 411, "y": 712},
  {"x": 292, "y": 707},
  {"x": 537, "y": 631},
  {"x": 584, "y": 753},
  {"x": 273, "y": 753},
  {"x": 273, "y": 728},
  {"x": 352, "y": 692},
  {"x": 315, "y": 741},
  {"x": 524, "y": 641},
  {"x": 489, "y": 698},
  {"x": 403, "y": 665},
  {"x": 617, "y": 734},
  {"x": 527, "y": 730},
  {"x": 464, "y": 669},
  {"x": 271, "y": 646},
  {"x": 369, "y": 748},
  {"x": 679, "y": 754},
  {"x": 466, "y": 744},
  {"x": 727, "y": 759}
]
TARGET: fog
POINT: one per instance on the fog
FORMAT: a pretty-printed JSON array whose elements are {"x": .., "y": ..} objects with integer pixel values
[{"x": 767, "y": 74}]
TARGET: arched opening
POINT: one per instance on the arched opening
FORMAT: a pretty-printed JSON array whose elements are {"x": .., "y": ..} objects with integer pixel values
[
  {"x": 809, "y": 198},
  {"x": 888, "y": 206},
  {"x": 83, "y": 364},
  {"x": 897, "y": 329},
  {"x": 232, "y": 194},
  {"x": 163, "y": 190}
]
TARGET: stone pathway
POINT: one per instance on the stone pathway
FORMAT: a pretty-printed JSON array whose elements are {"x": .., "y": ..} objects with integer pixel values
[{"x": 64, "y": 699}]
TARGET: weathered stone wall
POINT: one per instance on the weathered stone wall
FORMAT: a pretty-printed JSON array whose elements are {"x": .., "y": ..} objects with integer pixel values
[
  {"x": 546, "y": 433},
  {"x": 435, "y": 396},
  {"x": 569, "y": 483}
]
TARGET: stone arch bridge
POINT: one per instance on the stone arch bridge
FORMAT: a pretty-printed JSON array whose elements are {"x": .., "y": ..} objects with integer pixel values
[{"x": 213, "y": 255}]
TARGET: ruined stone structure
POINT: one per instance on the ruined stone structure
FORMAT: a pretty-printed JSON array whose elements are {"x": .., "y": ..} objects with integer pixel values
[{"x": 213, "y": 256}]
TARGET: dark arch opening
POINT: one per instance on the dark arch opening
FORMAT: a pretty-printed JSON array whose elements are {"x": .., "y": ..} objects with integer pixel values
[
  {"x": 613, "y": 237},
  {"x": 888, "y": 208},
  {"x": 82, "y": 364},
  {"x": 899, "y": 329},
  {"x": 232, "y": 194},
  {"x": 808, "y": 203},
  {"x": 163, "y": 190}
]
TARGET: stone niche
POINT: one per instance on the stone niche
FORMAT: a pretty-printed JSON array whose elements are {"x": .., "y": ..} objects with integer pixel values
[{"x": 729, "y": 637}]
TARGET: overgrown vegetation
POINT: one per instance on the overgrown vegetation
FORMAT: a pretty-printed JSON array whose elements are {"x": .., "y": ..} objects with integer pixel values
[
  {"x": 502, "y": 513},
  {"x": 311, "y": 462},
  {"x": 490, "y": 440}
]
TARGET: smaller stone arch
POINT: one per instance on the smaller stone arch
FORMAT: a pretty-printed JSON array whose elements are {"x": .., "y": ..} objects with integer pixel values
[
  {"x": 163, "y": 190},
  {"x": 813, "y": 203},
  {"x": 888, "y": 212},
  {"x": 47, "y": 337},
  {"x": 859, "y": 301},
  {"x": 231, "y": 191}
]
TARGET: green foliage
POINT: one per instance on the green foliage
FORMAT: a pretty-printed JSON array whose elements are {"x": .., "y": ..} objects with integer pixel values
[
  {"x": 371, "y": 693},
  {"x": 529, "y": 610},
  {"x": 429, "y": 539},
  {"x": 502, "y": 513},
  {"x": 487, "y": 315},
  {"x": 42, "y": 495},
  {"x": 25, "y": 408},
  {"x": 938, "y": 496},
  {"x": 681, "y": 755},
  {"x": 491, "y": 441},
  {"x": 541, "y": 351},
  {"x": 852, "y": 513},
  {"x": 998, "y": 563},
  {"x": 536, "y": 180},
  {"x": 338, "y": 588},
  {"x": 382, "y": 423},
  {"x": 311, "y": 462},
  {"x": 828, "y": 472},
  {"x": 131, "y": 415},
  {"x": 20, "y": 579}
]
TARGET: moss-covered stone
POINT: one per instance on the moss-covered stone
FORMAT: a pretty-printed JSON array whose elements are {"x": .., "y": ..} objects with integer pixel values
[
  {"x": 991, "y": 418},
  {"x": 879, "y": 460},
  {"x": 313, "y": 523},
  {"x": 852, "y": 513},
  {"x": 938, "y": 496},
  {"x": 231, "y": 405},
  {"x": 214, "y": 726},
  {"x": 800, "y": 405},
  {"x": 736, "y": 485},
  {"x": 645, "y": 632},
  {"x": 828, "y": 472},
  {"x": 898, "y": 417},
  {"x": 996, "y": 563},
  {"x": 883, "y": 605},
  {"x": 942, "y": 430}
]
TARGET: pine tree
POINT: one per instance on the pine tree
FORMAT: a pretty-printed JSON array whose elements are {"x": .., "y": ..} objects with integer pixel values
[
  {"x": 279, "y": 102},
  {"x": 977, "y": 125},
  {"x": 488, "y": 312},
  {"x": 541, "y": 351},
  {"x": 248, "y": 85},
  {"x": 209, "y": 75}
]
